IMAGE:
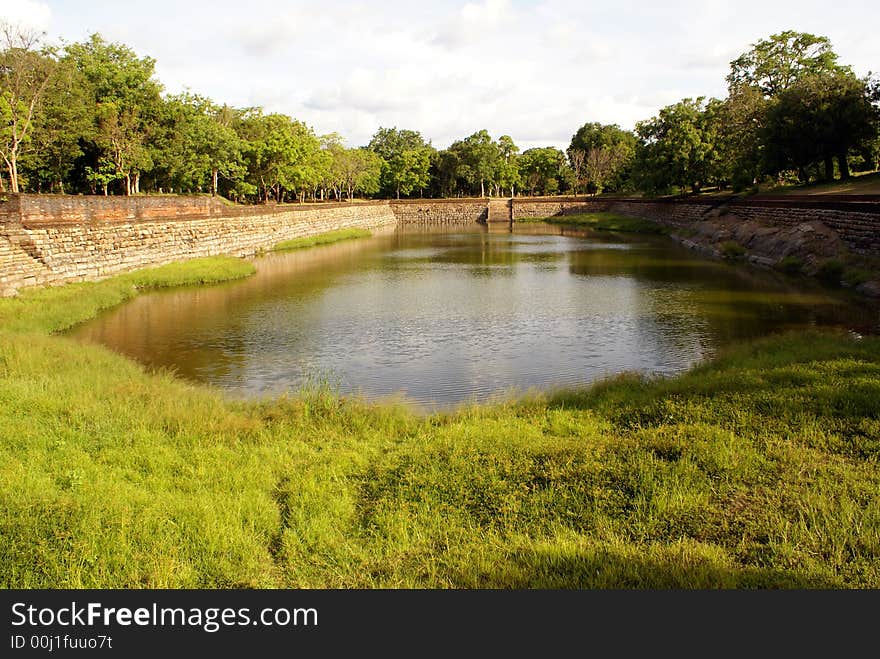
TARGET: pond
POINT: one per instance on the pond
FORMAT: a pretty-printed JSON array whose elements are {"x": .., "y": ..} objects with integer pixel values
[{"x": 454, "y": 315}]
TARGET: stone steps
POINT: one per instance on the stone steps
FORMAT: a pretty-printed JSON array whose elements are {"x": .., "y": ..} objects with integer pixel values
[
  {"x": 500, "y": 210},
  {"x": 18, "y": 269}
]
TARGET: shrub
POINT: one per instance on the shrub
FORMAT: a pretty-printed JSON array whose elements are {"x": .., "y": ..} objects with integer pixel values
[
  {"x": 791, "y": 265},
  {"x": 830, "y": 271},
  {"x": 730, "y": 249},
  {"x": 855, "y": 276}
]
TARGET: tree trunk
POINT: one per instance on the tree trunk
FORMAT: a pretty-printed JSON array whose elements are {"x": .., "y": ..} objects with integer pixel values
[
  {"x": 843, "y": 165},
  {"x": 829, "y": 168},
  {"x": 127, "y": 184},
  {"x": 106, "y": 193},
  {"x": 214, "y": 174},
  {"x": 482, "y": 189},
  {"x": 13, "y": 176},
  {"x": 398, "y": 192},
  {"x": 137, "y": 183}
]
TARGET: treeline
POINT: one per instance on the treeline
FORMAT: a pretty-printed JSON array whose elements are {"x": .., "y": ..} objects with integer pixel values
[{"x": 92, "y": 118}]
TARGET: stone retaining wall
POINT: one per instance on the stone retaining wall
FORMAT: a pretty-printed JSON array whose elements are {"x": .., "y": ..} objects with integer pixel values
[
  {"x": 87, "y": 241},
  {"x": 53, "y": 239},
  {"x": 857, "y": 222},
  {"x": 440, "y": 211}
]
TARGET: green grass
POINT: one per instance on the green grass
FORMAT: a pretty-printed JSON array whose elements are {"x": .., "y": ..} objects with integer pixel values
[
  {"x": 603, "y": 222},
  {"x": 322, "y": 239},
  {"x": 861, "y": 183},
  {"x": 58, "y": 308},
  {"x": 732, "y": 250},
  {"x": 756, "y": 470}
]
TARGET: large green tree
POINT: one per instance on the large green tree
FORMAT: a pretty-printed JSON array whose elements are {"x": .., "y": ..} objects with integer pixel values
[
  {"x": 478, "y": 157},
  {"x": 775, "y": 64},
  {"x": 25, "y": 73},
  {"x": 601, "y": 156},
  {"x": 360, "y": 170},
  {"x": 62, "y": 125},
  {"x": 406, "y": 160},
  {"x": 740, "y": 124},
  {"x": 282, "y": 155},
  {"x": 677, "y": 148},
  {"x": 820, "y": 118},
  {"x": 197, "y": 143},
  {"x": 507, "y": 167},
  {"x": 127, "y": 104},
  {"x": 543, "y": 170}
]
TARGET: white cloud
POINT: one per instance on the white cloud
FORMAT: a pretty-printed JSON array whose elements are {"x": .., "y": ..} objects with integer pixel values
[
  {"x": 473, "y": 22},
  {"x": 25, "y": 13},
  {"x": 535, "y": 70}
]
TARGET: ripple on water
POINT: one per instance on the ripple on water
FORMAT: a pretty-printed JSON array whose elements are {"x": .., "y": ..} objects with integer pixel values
[{"x": 447, "y": 318}]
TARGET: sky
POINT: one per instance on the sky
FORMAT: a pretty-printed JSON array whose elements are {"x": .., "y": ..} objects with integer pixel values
[{"x": 533, "y": 70}]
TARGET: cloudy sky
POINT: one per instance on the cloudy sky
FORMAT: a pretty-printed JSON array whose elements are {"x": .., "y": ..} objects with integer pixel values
[{"x": 535, "y": 70}]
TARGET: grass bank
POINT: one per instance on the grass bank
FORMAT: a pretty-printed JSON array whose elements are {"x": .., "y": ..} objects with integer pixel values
[
  {"x": 603, "y": 222},
  {"x": 759, "y": 469},
  {"x": 322, "y": 239},
  {"x": 58, "y": 308}
]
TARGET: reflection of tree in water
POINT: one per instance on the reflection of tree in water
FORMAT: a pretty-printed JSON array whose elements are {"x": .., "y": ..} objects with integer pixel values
[{"x": 733, "y": 301}]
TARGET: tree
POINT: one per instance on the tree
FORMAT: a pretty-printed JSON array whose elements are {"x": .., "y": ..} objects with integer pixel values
[
  {"x": 601, "y": 156},
  {"x": 819, "y": 118},
  {"x": 197, "y": 142},
  {"x": 281, "y": 154},
  {"x": 63, "y": 123},
  {"x": 25, "y": 72},
  {"x": 407, "y": 160},
  {"x": 741, "y": 119},
  {"x": 360, "y": 170},
  {"x": 478, "y": 159},
  {"x": 775, "y": 64},
  {"x": 127, "y": 101},
  {"x": 507, "y": 174},
  {"x": 542, "y": 169},
  {"x": 446, "y": 167},
  {"x": 577, "y": 159},
  {"x": 677, "y": 148}
]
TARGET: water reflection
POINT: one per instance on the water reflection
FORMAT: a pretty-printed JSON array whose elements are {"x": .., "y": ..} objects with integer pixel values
[{"x": 449, "y": 315}]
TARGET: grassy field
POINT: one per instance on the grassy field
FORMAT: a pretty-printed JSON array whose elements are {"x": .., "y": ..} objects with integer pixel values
[
  {"x": 757, "y": 470},
  {"x": 322, "y": 239},
  {"x": 868, "y": 183},
  {"x": 602, "y": 222}
]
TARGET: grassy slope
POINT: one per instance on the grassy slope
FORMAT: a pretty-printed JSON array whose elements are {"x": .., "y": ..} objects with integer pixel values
[
  {"x": 322, "y": 239},
  {"x": 858, "y": 184},
  {"x": 757, "y": 470},
  {"x": 602, "y": 222}
]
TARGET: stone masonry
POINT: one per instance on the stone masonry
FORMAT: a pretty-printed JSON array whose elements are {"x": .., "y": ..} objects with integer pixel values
[
  {"x": 50, "y": 240},
  {"x": 53, "y": 239},
  {"x": 855, "y": 219}
]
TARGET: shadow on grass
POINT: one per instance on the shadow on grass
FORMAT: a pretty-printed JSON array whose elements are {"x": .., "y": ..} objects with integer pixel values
[{"x": 606, "y": 569}]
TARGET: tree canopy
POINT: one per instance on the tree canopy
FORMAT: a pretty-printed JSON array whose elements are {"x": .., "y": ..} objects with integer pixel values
[{"x": 92, "y": 117}]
